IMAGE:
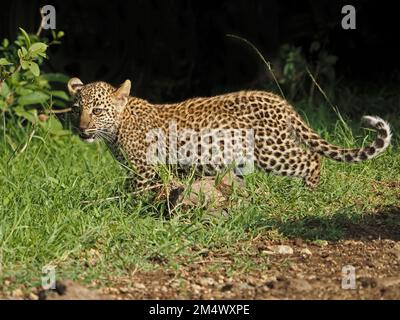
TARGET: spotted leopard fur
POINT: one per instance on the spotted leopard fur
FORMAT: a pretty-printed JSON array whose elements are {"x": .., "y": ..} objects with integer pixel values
[{"x": 283, "y": 143}]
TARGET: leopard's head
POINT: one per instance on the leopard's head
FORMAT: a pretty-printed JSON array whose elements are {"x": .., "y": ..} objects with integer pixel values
[{"x": 97, "y": 107}]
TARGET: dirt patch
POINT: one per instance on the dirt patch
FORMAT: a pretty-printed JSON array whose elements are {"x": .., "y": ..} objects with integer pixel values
[
  {"x": 308, "y": 271},
  {"x": 69, "y": 290},
  {"x": 294, "y": 269}
]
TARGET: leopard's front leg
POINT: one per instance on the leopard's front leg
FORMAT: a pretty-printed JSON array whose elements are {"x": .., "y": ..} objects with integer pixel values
[{"x": 142, "y": 176}]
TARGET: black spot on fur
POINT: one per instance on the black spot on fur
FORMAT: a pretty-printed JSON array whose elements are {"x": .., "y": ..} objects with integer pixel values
[
  {"x": 379, "y": 143},
  {"x": 379, "y": 124},
  {"x": 382, "y": 133},
  {"x": 363, "y": 156},
  {"x": 349, "y": 157},
  {"x": 371, "y": 150},
  {"x": 333, "y": 154}
]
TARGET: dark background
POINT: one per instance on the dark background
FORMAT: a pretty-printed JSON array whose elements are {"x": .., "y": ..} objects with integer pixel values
[{"x": 173, "y": 50}]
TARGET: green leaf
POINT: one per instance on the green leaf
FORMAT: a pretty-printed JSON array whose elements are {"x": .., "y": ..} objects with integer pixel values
[
  {"x": 5, "y": 43},
  {"x": 42, "y": 54},
  {"x": 22, "y": 52},
  {"x": 4, "y": 89},
  {"x": 3, "y": 105},
  {"x": 36, "y": 97},
  {"x": 24, "y": 64},
  {"x": 38, "y": 48},
  {"x": 59, "y": 94},
  {"x": 28, "y": 114},
  {"x": 26, "y": 37},
  {"x": 4, "y": 62},
  {"x": 34, "y": 68}
]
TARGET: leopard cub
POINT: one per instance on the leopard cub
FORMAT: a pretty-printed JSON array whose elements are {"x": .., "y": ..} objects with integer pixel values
[{"x": 281, "y": 142}]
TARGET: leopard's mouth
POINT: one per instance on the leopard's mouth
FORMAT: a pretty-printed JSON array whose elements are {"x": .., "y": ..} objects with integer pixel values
[{"x": 87, "y": 137}]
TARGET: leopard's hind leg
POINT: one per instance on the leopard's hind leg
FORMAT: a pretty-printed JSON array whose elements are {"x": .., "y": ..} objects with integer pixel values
[{"x": 289, "y": 159}]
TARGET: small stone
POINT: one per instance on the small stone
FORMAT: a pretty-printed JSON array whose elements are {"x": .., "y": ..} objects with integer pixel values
[
  {"x": 113, "y": 291},
  {"x": 139, "y": 286},
  {"x": 396, "y": 250},
  {"x": 324, "y": 254},
  {"x": 17, "y": 293},
  {"x": 196, "y": 288},
  {"x": 267, "y": 252},
  {"x": 321, "y": 243},
  {"x": 164, "y": 289},
  {"x": 283, "y": 249},
  {"x": 33, "y": 296},
  {"x": 245, "y": 286},
  {"x": 123, "y": 290},
  {"x": 206, "y": 282},
  {"x": 306, "y": 251}
]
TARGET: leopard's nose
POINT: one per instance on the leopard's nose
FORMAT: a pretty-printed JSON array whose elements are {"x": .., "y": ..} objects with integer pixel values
[
  {"x": 84, "y": 121},
  {"x": 83, "y": 126}
]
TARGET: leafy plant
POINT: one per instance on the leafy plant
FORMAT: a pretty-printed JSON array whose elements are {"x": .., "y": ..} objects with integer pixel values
[
  {"x": 296, "y": 68},
  {"x": 25, "y": 91}
]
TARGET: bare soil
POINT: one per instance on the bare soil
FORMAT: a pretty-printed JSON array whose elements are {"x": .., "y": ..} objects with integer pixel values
[{"x": 310, "y": 272}]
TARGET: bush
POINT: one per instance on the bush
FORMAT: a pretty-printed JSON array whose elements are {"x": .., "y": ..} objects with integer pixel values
[{"x": 26, "y": 94}]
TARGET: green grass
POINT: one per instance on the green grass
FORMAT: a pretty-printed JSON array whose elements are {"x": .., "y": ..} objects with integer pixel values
[{"x": 63, "y": 200}]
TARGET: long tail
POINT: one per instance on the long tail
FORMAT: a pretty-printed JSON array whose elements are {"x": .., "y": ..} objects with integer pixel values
[{"x": 307, "y": 136}]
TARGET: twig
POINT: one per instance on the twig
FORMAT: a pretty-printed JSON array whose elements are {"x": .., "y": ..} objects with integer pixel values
[
  {"x": 65, "y": 110},
  {"x": 335, "y": 109},
  {"x": 39, "y": 31},
  {"x": 267, "y": 63}
]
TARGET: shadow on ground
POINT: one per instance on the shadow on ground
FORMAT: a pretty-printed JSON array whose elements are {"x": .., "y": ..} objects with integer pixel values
[{"x": 383, "y": 223}]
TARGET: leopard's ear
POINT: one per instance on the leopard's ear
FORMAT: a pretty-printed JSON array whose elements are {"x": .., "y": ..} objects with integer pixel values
[
  {"x": 74, "y": 85},
  {"x": 121, "y": 95}
]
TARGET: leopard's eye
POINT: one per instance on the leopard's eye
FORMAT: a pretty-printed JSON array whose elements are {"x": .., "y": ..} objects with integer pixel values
[
  {"x": 97, "y": 111},
  {"x": 75, "y": 108}
]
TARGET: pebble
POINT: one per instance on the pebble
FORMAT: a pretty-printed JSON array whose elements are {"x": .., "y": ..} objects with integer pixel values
[
  {"x": 33, "y": 296},
  {"x": 306, "y": 251},
  {"x": 139, "y": 286},
  {"x": 206, "y": 282},
  {"x": 283, "y": 249},
  {"x": 17, "y": 293}
]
